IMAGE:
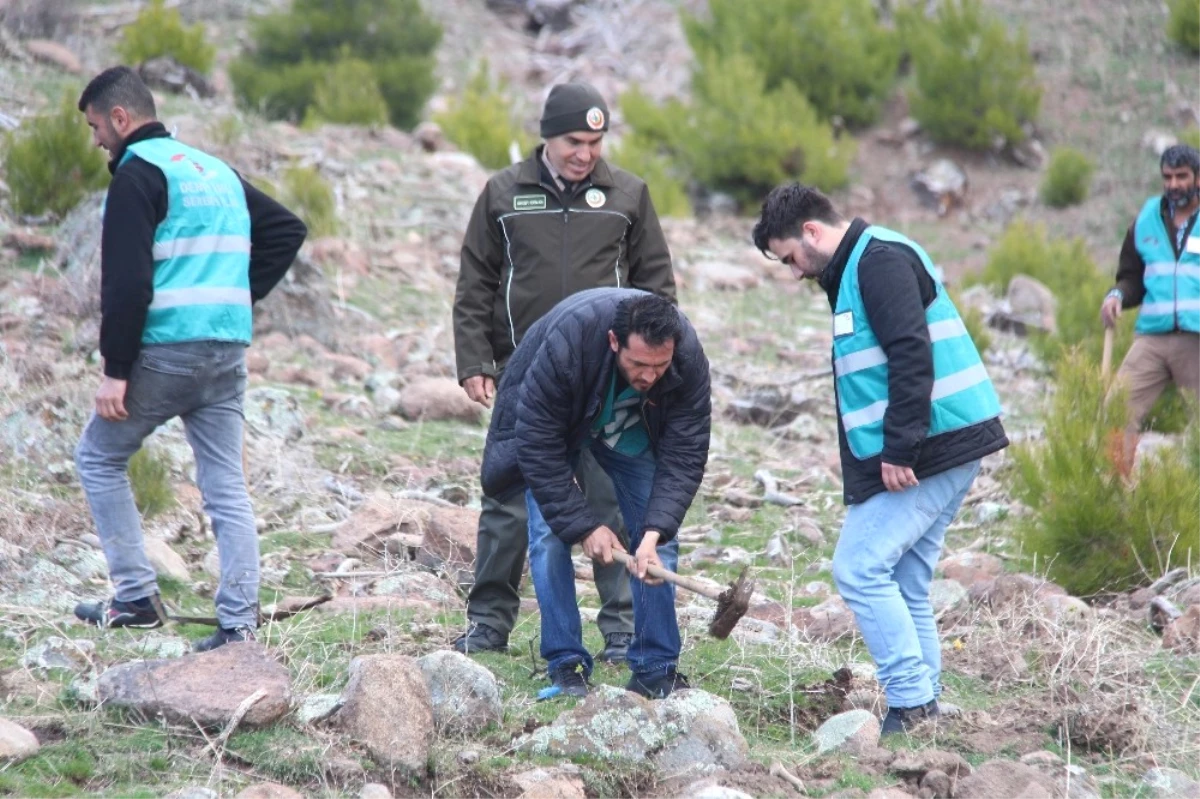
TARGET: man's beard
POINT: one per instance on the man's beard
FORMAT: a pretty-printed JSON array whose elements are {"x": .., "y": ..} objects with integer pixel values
[{"x": 1182, "y": 198}]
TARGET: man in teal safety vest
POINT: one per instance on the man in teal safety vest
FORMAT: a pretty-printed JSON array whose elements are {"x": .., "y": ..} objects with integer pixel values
[
  {"x": 916, "y": 413},
  {"x": 1159, "y": 270},
  {"x": 187, "y": 248}
]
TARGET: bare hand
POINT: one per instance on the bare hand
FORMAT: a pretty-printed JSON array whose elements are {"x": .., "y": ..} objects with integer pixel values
[
  {"x": 1110, "y": 311},
  {"x": 897, "y": 478},
  {"x": 600, "y": 544},
  {"x": 110, "y": 400},
  {"x": 481, "y": 389},
  {"x": 646, "y": 555}
]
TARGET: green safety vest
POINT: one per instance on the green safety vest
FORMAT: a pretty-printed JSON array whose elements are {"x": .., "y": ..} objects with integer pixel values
[
  {"x": 201, "y": 249},
  {"x": 962, "y": 395},
  {"x": 1172, "y": 300}
]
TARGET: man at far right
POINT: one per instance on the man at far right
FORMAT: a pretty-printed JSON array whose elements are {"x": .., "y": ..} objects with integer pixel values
[
  {"x": 916, "y": 413},
  {"x": 1159, "y": 270}
]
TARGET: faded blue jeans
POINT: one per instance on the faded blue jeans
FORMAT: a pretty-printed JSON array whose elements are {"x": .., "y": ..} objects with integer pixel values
[
  {"x": 655, "y": 646},
  {"x": 883, "y": 565},
  {"x": 203, "y": 383}
]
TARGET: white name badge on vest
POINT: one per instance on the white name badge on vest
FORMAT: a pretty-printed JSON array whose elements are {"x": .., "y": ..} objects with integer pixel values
[
  {"x": 843, "y": 324},
  {"x": 1193, "y": 244}
]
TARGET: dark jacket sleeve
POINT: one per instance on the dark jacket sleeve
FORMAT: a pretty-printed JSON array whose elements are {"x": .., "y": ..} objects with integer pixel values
[
  {"x": 892, "y": 298},
  {"x": 543, "y": 427},
  {"x": 682, "y": 452},
  {"x": 649, "y": 256},
  {"x": 275, "y": 237},
  {"x": 136, "y": 203},
  {"x": 1131, "y": 273},
  {"x": 478, "y": 282}
]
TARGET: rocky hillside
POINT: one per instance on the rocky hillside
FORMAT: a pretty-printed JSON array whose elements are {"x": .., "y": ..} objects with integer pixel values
[{"x": 364, "y": 455}]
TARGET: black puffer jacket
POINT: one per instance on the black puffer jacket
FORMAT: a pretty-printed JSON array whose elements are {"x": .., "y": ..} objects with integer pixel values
[{"x": 552, "y": 391}]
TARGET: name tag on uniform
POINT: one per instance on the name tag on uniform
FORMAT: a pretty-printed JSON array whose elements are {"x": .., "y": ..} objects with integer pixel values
[
  {"x": 1193, "y": 244},
  {"x": 843, "y": 324},
  {"x": 529, "y": 202}
]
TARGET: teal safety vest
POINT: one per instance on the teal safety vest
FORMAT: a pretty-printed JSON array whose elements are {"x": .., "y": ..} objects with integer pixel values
[
  {"x": 963, "y": 394},
  {"x": 1172, "y": 300},
  {"x": 201, "y": 249}
]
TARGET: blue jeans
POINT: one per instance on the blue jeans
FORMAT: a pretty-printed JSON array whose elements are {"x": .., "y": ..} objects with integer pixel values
[
  {"x": 655, "y": 646},
  {"x": 203, "y": 383},
  {"x": 883, "y": 564}
]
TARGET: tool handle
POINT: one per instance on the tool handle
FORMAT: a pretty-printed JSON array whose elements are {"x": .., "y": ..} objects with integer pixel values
[
  {"x": 1106, "y": 358},
  {"x": 671, "y": 577}
]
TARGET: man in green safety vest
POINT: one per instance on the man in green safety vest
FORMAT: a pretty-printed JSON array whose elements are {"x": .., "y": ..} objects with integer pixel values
[
  {"x": 916, "y": 413},
  {"x": 187, "y": 248}
]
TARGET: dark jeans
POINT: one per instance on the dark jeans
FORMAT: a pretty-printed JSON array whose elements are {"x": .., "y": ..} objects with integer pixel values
[{"x": 503, "y": 539}]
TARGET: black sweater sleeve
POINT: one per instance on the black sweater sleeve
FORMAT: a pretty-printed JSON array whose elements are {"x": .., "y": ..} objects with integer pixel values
[
  {"x": 896, "y": 290},
  {"x": 1131, "y": 272},
  {"x": 275, "y": 237}
]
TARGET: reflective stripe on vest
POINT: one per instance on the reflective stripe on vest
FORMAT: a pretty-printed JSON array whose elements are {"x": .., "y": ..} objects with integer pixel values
[
  {"x": 1172, "y": 300},
  {"x": 201, "y": 249},
  {"x": 962, "y": 393}
]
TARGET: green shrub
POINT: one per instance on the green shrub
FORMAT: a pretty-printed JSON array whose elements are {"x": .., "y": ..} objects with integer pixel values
[
  {"x": 1092, "y": 530},
  {"x": 640, "y": 156},
  {"x": 974, "y": 82},
  {"x": 974, "y": 322},
  {"x": 348, "y": 94},
  {"x": 738, "y": 137},
  {"x": 294, "y": 49},
  {"x": 150, "y": 477},
  {"x": 1191, "y": 137},
  {"x": 310, "y": 197},
  {"x": 1183, "y": 24},
  {"x": 160, "y": 31},
  {"x": 836, "y": 53},
  {"x": 1067, "y": 178},
  {"x": 50, "y": 162},
  {"x": 480, "y": 121}
]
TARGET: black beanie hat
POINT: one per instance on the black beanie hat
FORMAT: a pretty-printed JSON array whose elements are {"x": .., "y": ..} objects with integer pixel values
[{"x": 571, "y": 107}]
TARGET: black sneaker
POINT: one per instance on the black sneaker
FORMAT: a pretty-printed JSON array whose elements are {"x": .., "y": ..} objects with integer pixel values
[
  {"x": 144, "y": 613},
  {"x": 569, "y": 680},
  {"x": 224, "y": 636},
  {"x": 903, "y": 719},
  {"x": 616, "y": 647},
  {"x": 481, "y": 638},
  {"x": 658, "y": 687}
]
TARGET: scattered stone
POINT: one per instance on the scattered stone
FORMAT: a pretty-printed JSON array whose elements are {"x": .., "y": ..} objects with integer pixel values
[
  {"x": 268, "y": 790},
  {"x": 430, "y": 136},
  {"x": 157, "y": 646},
  {"x": 464, "y": 694},
  {"x": 317, "y": 707},
  {"x": 1029, "y": 153},
  {"x": 60, "y": 655},
  {"x": 166, "y": 561},
  {"x": 438, "y": 398},
  {"x": 829, "y": 621},
  {"x": 937, "y": 784},
  {"x": 1169, "y": 783},
  {"x": 16, "y": 742},
  {"x": 1106, "y": 725},
  {"x": 913, "y": 765},
  {"x": 164, "y": 72},
  {"x": 946, "y": 595},
  {"x": 386, "y": 705},
  {"x": 702, "y": 734},
  {"x": 468, "y": 757},
  {"x": 55, "y": 54},
  {"x": 1032, "y": 303},
  {"x": 205, "y": 688},
  {"x": 193, "y": 792},
  {"x": 941, "y": 186},
  {"x": 967, "y": 568},
  {"x": 1005, "y": 778},
  {"x": 723, "y": 276},
  {"x": 1065, "y": 609},
  {"x": 27, "y": 242},
  {"x": 772, "y": 406},
  {"x": 560, "y": 782},
  {"x": 1182, "y": 635},
  {"x": 705, "y": 790},
  {"x": 84, "y": 689},
  {"x": 853, "y": 731}
]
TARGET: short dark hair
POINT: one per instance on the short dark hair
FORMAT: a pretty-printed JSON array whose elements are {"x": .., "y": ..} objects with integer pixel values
[
  {"x": 1178, "y": 155},
  {"x": 651, "y": 316},
  {"x": 785, "y": 211},
  {"x": 118, "y": 86}
]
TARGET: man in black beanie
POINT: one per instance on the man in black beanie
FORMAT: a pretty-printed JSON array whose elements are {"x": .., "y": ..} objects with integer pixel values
[{"x": 562, "y": 221}]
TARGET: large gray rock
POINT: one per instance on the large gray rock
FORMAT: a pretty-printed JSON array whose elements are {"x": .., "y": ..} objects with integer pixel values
[
  {"x": 946, "y": 595},
  {"x": 16, "y": 742},
  {"x": 1006, "y": 778},
  {"x": 1169, "y": 783},
  {"x": 688, "y": 730},
  {"x": 438, "y": 398},
  {"x": 386, "y": 705},
  {"x": 465, "y": 695},
  {"x": 967, "y": 568},
  {"x": 854, "y": 731},
  {"x": 560, "y": 782},
  {"x": 166, "y": 561},
  {"x": 204, "y": 688}
]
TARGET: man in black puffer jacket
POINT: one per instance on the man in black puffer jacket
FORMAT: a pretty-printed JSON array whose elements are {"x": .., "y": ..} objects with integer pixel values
[{"x": 622, "y": 373}]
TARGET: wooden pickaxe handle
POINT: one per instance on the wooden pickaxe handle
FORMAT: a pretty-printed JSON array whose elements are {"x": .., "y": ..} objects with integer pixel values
[
  {"x": 671, "y": 577},
  {"x": 1106, "y": 357}
]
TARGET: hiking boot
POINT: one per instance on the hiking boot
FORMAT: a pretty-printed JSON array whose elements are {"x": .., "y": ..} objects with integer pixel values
[
  {"x": 570, "y": 680},
  {"x": 659, "y": 686},
  {"x": 481, "y": 638},
  {"x": 616, "y": 647},
  {"x": 224, "y": 636},
  {"x": 143, "y": 614},
  {"x": 903, "y": 719}
]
